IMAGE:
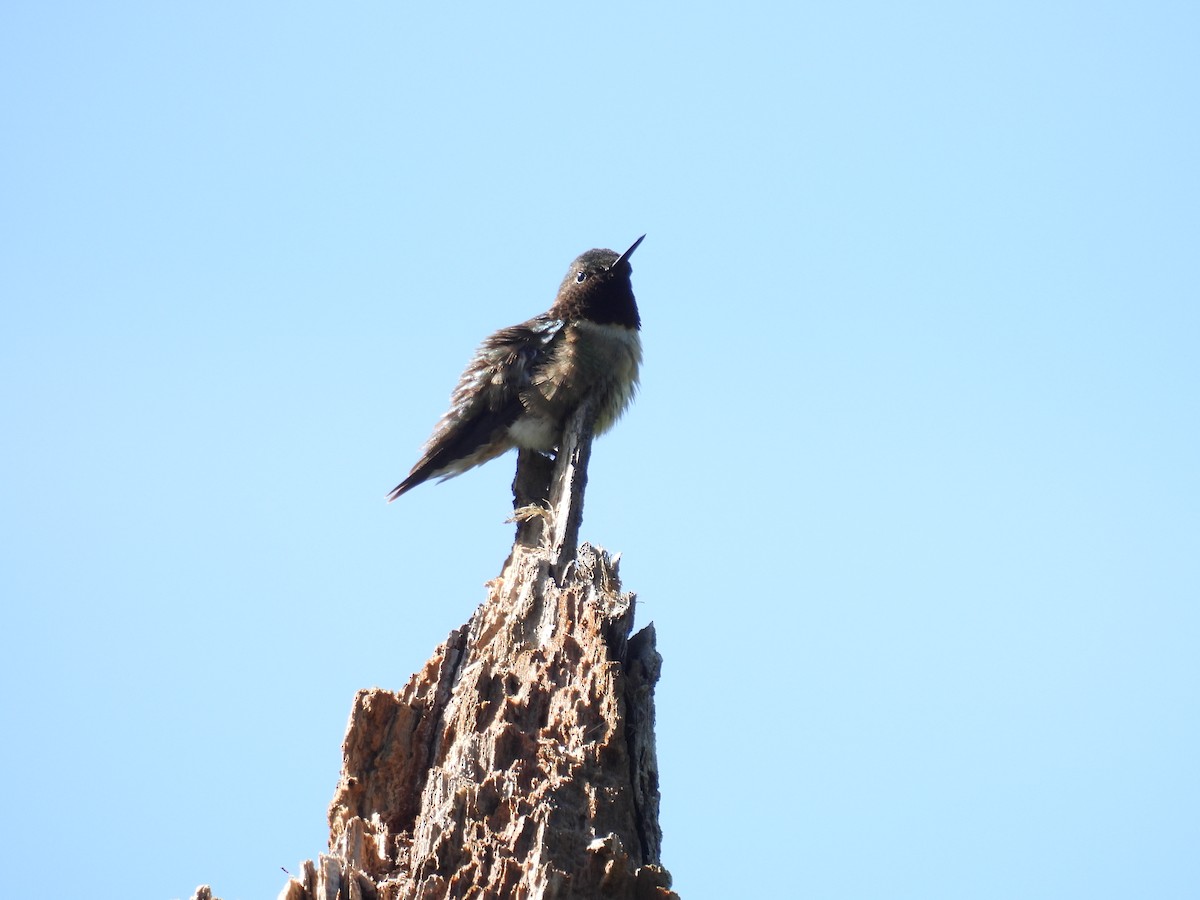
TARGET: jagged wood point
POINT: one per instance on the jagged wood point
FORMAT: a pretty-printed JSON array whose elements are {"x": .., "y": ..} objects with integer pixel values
[{"x": 520, "y": 761}]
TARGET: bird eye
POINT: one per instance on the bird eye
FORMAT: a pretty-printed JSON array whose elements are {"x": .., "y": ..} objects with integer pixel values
[{"x": 580, "y": 277}]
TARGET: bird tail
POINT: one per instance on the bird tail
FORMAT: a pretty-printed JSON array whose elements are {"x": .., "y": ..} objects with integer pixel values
[{"x": 406, "y": 485}]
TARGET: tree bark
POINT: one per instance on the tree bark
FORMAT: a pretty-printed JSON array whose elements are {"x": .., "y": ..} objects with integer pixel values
[{"x": 520, "y": 761}]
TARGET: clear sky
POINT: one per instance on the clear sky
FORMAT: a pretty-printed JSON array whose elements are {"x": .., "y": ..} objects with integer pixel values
[{"x": 911, "y": 490}]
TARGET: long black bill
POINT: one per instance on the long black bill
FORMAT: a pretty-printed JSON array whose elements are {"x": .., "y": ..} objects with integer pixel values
[{"x": 628, "y": 253}]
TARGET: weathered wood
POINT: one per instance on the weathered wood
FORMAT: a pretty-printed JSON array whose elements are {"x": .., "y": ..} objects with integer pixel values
[
  {"x": 568, "y": 486},
  {"x": 520, "y": 761},
  {"x": 548, "y": 494}
]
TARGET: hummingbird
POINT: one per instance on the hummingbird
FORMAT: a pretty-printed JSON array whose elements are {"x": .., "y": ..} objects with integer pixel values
[{"x": 525, "y": 381}]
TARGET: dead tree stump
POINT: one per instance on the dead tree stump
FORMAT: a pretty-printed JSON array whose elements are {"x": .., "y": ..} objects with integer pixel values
[{"x": 520, "y": 761}]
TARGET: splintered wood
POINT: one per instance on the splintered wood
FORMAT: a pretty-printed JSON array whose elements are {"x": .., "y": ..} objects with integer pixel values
[{"x": 520, "y": 761}]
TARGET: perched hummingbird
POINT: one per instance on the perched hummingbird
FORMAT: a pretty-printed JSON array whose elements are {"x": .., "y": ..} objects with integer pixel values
[{"x": 524, "y": 382}]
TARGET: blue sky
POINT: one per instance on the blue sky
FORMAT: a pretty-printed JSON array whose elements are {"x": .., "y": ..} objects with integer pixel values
[{"x": 910, "y": 490}]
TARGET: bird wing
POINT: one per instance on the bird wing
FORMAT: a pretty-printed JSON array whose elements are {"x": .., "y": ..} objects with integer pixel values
[{"x": 485, "y": 402}]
